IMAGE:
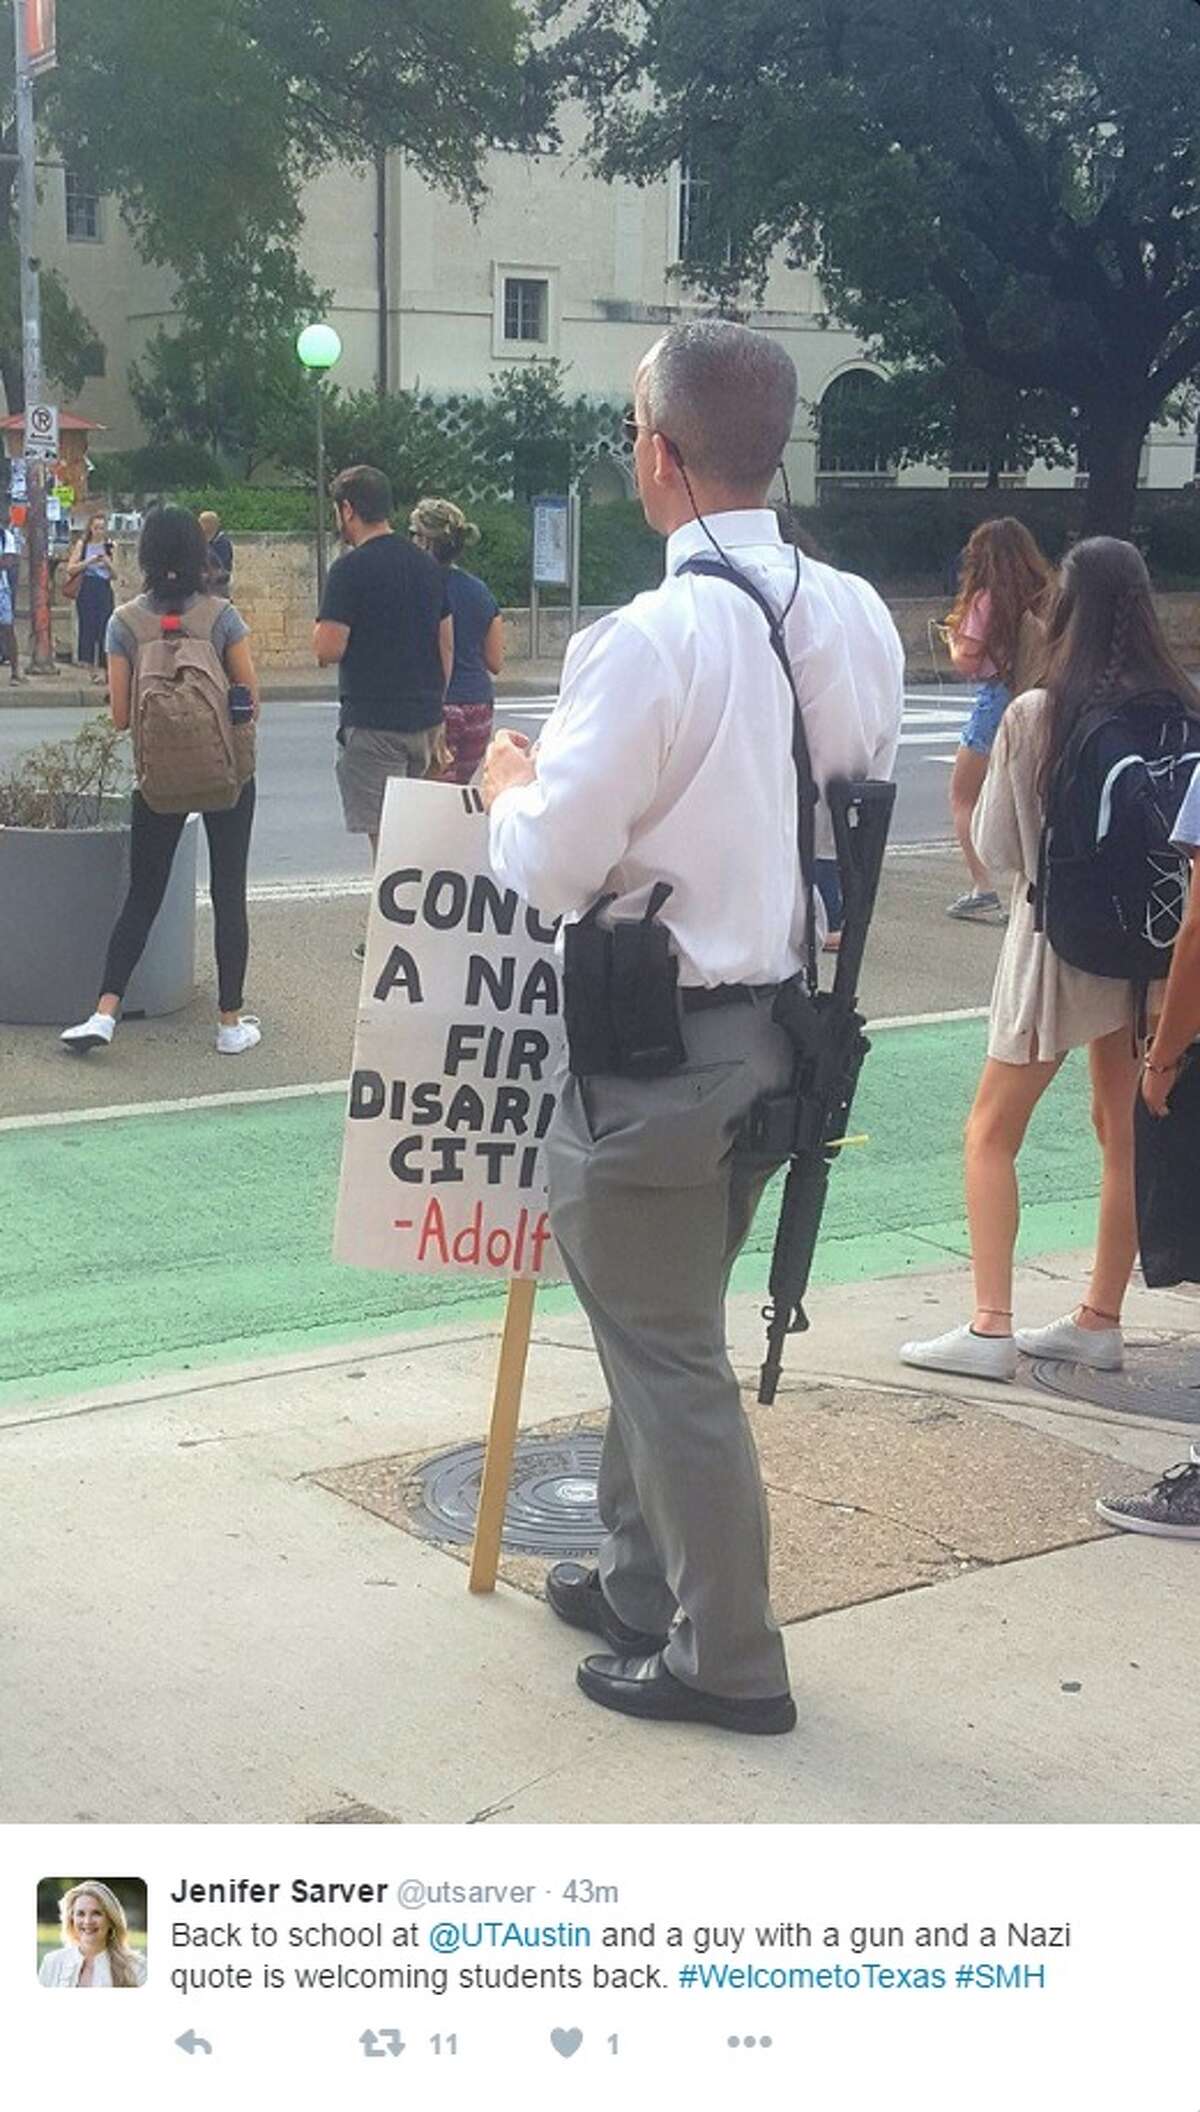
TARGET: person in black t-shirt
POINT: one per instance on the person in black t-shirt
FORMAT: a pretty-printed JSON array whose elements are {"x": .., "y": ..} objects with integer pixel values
[{"x": 385, "y": 621}]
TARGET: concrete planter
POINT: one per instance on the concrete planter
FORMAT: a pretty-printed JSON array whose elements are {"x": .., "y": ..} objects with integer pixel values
[{"x": 60, "y": 894}]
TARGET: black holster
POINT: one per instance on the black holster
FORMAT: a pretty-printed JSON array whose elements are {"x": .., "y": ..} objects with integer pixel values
[{"x": 621, "y": 995}]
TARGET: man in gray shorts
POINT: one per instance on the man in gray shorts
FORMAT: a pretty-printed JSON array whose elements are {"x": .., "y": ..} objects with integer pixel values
[{"x": 385, "y": 621}]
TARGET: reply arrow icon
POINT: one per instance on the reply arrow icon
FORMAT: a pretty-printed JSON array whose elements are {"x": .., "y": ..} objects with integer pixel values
[{"x": 189, "y": 2043}]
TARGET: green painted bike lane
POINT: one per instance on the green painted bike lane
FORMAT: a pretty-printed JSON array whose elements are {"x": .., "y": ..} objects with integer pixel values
[{"x": 150, "y": 1244}]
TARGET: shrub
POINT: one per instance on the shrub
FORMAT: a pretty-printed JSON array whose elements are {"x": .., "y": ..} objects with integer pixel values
[
  {"x": 251, "y": 509},
  {"x": 64, "y": 784},
  {"x": 618, "y": 555},
  {"x": 157, "y": 468},
  {"x": 1170, "y": 539}
]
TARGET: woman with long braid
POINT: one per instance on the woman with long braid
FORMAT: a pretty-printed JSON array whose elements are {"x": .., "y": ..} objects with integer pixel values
[{"x": 1104, "y": 646}]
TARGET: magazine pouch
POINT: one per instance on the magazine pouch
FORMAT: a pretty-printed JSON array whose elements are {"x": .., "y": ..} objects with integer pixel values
[{"x": 621, "y": 995}]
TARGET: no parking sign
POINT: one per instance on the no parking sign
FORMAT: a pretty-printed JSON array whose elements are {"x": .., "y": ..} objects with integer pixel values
[{"x": 41, "y": 432}]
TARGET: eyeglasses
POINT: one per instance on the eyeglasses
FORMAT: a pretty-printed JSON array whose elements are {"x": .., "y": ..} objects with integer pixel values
[{"x": 631, "y": 428}]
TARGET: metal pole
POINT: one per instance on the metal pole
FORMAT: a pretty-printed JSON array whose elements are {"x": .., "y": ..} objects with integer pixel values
[
  {"x": 321, "y": 564},
  {"x": 573, "y": 496},
  {"x": 382, "y": 280},
  {"x": 42, "y": 661}
]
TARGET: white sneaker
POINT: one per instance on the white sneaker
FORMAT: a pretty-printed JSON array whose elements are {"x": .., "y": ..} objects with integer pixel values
[
  {"x": 962, "y": 1350},
  {"x": 93, "y": 1033},
  {"x": 232, "y": 1041},
  {"x": 1064, "y": 1341}
]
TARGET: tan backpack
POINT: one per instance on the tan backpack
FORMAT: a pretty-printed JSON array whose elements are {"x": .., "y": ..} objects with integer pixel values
[{"x": 189, "y": 757}]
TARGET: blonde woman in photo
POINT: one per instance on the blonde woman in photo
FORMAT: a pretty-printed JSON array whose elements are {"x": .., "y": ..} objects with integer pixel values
[{"x": 96, "y": 1950}]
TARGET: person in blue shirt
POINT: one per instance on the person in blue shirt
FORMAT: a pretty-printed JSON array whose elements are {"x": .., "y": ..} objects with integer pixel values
[
  {"x": 10, "y": 559},
  {"x": 441, "y": 528}
]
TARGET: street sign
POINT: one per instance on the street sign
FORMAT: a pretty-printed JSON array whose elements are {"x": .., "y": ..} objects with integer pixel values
[
  {"x": 41, "y": 432},
  {"x": 18, "y": 481},
  {"x": 551, "y": 543}
]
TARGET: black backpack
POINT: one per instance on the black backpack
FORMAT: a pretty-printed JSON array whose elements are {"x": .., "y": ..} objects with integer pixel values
[{"x": 1111, "y": 891}]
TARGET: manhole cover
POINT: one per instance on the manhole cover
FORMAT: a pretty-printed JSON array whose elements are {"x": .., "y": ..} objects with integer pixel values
[
  {"x": 1163, "y": 1381},
  {"x": 551, "y": 1503}
]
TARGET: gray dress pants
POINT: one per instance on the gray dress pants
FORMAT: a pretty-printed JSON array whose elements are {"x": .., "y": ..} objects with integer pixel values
[{"x": 650, "y": 1206}]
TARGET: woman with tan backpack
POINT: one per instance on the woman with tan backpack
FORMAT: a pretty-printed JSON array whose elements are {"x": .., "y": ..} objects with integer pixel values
[{"x": 182, "y": 678}]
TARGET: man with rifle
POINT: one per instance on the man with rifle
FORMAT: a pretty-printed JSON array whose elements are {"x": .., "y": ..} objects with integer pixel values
[{"x": 670, "y": 815}]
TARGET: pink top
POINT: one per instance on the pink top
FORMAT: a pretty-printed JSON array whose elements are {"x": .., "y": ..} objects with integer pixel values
[{"x": 967, "y": 643}]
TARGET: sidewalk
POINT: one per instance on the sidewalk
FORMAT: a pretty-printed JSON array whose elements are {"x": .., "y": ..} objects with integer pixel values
[
  {"x": 966, "y": 1642},
  {"x": 521, "y": 678},
  {"x": 189, "y": 1384}
]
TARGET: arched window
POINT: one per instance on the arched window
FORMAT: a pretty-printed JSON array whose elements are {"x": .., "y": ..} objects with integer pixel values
[{"x": 849, "y": 429}]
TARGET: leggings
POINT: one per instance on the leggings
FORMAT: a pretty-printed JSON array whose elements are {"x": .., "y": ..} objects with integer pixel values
[
  {"x": 93, "y": 607},
  {"x": 154, "y": 839}
]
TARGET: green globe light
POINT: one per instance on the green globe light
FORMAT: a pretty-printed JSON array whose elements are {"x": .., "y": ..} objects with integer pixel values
[{"x": 319, "y": 346}]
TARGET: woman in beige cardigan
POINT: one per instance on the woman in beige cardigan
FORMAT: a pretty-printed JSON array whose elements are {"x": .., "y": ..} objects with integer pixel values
[{"x": 1104, "y": 644}]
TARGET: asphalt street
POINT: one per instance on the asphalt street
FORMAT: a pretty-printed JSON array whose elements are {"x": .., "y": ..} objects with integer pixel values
[{"x": 298, "y": 833}]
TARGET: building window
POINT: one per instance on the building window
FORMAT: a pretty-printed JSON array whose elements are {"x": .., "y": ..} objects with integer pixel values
[
  {"x": 83, "y": 208},
  {"x": 526, "y": 311},
  {"x": 971, "y": 470},
  {"x": 848, "y": 424},
  {"x": 702, "y": 233}
]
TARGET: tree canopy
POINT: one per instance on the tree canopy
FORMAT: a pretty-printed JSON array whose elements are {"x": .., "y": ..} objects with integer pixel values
[
  {"x": 1007, "y": 188},
  {"x": 206, "y": 125}
]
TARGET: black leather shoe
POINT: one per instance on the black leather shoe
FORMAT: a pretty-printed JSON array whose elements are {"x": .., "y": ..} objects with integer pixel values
[
  {"x": 642, "y": 1686},
  {"x": 574, "y": 1593}
]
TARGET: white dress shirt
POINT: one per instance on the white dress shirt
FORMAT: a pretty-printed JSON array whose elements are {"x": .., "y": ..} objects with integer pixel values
[{"x": 669, "y": 754}]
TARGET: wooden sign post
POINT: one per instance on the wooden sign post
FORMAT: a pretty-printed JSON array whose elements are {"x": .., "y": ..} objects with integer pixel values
[{"x": 502, "y": 1434}]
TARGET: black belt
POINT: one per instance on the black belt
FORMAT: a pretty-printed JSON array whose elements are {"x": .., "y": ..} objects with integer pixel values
[{"x": 725, "y": 994}]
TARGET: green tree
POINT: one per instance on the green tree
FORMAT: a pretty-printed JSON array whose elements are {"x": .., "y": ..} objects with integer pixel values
[
  {"x": 226, "y": 376},
  {"x": 952, "y": 415},
  {"x": 400, "y": 434},
  {"x": 1008, "y": 188},
  {"x": 525, "y": 436},
  {"x": 71, "y": 350},
  {"x": 532, "y": 436},
  {"x": 206, "y": 124}
]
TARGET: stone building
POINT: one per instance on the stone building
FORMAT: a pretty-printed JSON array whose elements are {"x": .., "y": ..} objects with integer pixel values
[{"x": 557, "y": 264}]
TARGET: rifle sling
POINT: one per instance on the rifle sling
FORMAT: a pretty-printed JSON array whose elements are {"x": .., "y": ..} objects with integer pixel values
[{"x": 806, "y": 788}]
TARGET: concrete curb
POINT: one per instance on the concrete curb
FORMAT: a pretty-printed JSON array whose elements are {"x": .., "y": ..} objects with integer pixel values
[{"x": 278, "y": 686}]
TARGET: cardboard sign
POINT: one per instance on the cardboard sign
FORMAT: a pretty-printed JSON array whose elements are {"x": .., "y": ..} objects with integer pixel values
[{"x": 458, "y": 1045}]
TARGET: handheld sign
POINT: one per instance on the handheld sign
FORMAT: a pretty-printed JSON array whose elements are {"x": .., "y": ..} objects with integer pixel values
[{"x": 458, "y": 1043}]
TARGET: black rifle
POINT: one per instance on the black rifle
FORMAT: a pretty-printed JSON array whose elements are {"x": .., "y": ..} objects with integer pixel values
[{"x": 806, "y": 1124}]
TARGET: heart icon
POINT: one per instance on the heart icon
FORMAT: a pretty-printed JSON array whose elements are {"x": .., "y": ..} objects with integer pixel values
[{"x": 566, "y": 2042}]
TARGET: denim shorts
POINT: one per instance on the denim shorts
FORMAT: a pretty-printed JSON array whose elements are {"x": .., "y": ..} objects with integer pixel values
[{"x": 983, "y": 725}]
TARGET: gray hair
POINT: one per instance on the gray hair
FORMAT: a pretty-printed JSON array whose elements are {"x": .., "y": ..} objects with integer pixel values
[{"x": 726, "y": 396}]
